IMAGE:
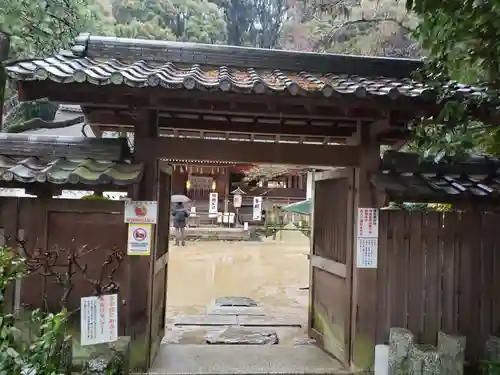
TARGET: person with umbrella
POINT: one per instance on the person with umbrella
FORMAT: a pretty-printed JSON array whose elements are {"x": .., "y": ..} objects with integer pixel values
[{"x": 179, "y": 215}]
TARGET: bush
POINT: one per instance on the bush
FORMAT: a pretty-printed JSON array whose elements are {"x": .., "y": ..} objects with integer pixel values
[{"x": 45, "y": 351}]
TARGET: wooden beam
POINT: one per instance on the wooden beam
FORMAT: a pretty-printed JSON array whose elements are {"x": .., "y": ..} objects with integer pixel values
[
  {"x": 158, "y": 98},
  {"x": 245, "y": 151},
  {"x": 332, "y": 174},
  {"x": 332, "y": 130},
  {"x": 109, "y": 116}
]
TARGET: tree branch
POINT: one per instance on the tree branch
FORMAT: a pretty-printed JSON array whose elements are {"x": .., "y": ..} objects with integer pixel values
[
  {"x": 372, "y": 21},
  {"x": 38, "y": 123}
]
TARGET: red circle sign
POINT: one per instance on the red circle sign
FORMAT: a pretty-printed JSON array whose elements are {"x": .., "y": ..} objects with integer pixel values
[{"x": 140, "y": 234}]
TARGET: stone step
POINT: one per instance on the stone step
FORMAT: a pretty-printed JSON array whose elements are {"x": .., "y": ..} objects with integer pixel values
[
  {"x": 244, "y": 360},
  {"x": 215, "y": 233}
]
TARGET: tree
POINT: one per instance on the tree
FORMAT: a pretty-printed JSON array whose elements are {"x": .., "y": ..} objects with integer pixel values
[
  {"x": 461, "y": 40},
  {"x": 254, "y": 23},
  {"x": 265, "y": 172},
  {"x": 39, "y": 28},
  {"x": 42, "y": 27},
  {"x": 363, "y": 27},
  {"x": 182, "y": 20}
]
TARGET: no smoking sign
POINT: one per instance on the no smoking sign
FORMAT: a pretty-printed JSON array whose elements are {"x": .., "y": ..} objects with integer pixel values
[
  {"x": 139, "y": 239},
  {"x": 140, "y": 234}
]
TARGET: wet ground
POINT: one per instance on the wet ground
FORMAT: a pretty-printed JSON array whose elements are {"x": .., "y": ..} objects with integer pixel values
[{"x": 273, "y": 273}]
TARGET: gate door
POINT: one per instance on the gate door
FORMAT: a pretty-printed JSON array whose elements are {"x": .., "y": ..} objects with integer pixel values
[
  {"x": 159, "y": 260},
  {"x": 331, "y": 262}
]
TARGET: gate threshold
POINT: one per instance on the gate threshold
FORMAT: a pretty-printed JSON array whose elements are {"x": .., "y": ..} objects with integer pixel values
[{"x": 244, "y": 360}]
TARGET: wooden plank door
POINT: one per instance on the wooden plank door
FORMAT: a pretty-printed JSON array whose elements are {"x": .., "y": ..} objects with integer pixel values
[
  {"x": 159, "y": 266},
  {"x": 331, "y": 262}
]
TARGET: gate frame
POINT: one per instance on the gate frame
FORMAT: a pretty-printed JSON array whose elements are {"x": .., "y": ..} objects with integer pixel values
[
  {"x": 153, "y": 341},
  {"x": 330, "y": 266}
]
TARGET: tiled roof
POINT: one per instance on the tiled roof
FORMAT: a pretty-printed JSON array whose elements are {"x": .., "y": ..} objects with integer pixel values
[
  {"x": 68, "y": 171},
  {"x": 66, "y": 160},
  {"x": 403, "y": 176},
  {"x": 172, "y": 65}
]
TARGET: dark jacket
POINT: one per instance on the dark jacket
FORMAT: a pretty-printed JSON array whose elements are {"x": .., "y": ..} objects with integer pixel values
[{"x": 180, "y": 214}]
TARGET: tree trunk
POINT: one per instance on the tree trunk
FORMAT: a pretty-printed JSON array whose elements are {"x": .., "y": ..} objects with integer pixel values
[{"x": 4, "y": 54}]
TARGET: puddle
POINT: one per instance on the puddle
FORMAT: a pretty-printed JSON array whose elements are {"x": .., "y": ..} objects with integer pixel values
[{"x": 272, "y": 273}]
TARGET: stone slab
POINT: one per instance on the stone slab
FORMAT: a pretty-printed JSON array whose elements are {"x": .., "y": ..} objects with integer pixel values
[
  {"x": 244, "y": 360},
  {"x": 206, "y": 320},
  {"x": 267, "y": 321},
  {"x": 235, "y": 310},
  {"x": 231, "y": 301},
  {"x": 243, "y": 336}
]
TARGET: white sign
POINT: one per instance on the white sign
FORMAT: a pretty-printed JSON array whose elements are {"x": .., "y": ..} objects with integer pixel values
[
  {"x": 257, "y": 208},
  {"x": 368, "y": 222},
  {"x": 367, "y": 238},
  {"x": 366, "y": 256},
  {"x": 139, "y": 239},
  {"x": 237, "y": 200},
  {"x": 200, "y": 182},
  {"x": 213, "y": 207},
  {"x": 99, "y": 319},
  {"x": 141, "y": 212}
]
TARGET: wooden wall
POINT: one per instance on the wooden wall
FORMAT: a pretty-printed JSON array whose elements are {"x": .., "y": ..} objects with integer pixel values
[{"x": 439, "y": 271}]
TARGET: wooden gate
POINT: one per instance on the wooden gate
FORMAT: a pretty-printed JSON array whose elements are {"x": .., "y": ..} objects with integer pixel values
[
  {"x": 331, "y": 262},
  {"x": 159, "y": 261}
]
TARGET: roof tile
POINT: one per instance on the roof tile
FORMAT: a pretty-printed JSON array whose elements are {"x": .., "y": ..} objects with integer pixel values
[
  {"x": 66, "y": 171},
  {"x": 189, "y": 66},
  {"x": 196, "y": 77},
  {"x": 403, "y": 176}
]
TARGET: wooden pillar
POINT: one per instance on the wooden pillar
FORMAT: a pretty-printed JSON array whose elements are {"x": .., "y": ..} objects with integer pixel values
[
  {"x": 364, "y": 289},
  {"x": 140, "y": 267},
  {"x": 146, "y": 127},
  {"x": 226, "y": 189}
]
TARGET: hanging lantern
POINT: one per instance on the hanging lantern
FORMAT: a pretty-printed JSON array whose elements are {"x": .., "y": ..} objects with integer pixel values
[
  {"x": 213, "y": 185},
  {"x": 188, "y": 184}
]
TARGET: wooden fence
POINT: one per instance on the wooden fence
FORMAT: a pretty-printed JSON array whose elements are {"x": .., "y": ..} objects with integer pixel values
[
  {"x": 439, "y": 271},
  {"x": 67, "y": 225}
]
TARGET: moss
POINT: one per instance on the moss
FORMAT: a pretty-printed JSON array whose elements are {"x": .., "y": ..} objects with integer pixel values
[
  {"x": 94, "y": 197},
  {"x": 364, "y": 352}
]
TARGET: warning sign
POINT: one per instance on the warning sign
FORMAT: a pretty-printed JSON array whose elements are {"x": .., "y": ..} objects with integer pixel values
[{"x": 139, "y": 239}]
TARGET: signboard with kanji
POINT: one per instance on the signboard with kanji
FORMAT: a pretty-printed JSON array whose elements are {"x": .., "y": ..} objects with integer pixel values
[
  {"x": 367, "y": 238},
  {"x": 237, "y": 200},
  {"x": 368, "y": 222},
  {"x": 141, "y": 212},
  {"x": 366, "y": 256},
  {"x": 213, "y": 207},
  {"x": 257, "y": 208},
  {"x": 99, "y": 319}
]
